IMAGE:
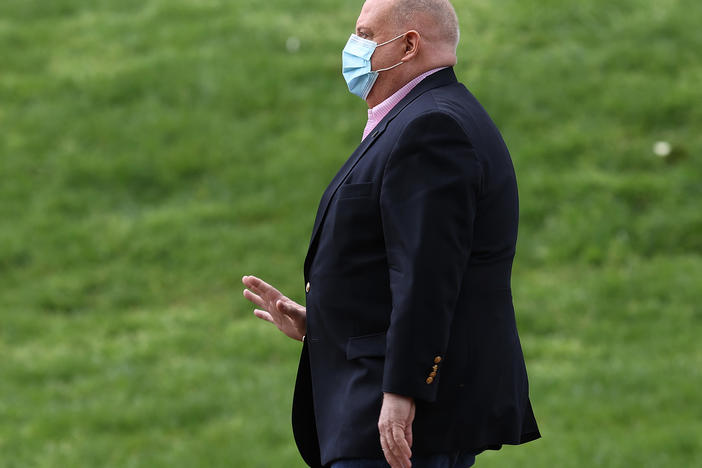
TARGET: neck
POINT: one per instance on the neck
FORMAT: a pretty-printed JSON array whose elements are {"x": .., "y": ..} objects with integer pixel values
[{"x": 393, "y": 82}]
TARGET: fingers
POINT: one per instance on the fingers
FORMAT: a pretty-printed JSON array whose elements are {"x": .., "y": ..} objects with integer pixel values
[
  {"x": 251, "y": 281},
  {"x": 399, "y": 445},
  {"x": 386, "y": 450},
  {"x": 388, "y": 453},
  {"x": 395, "y": 427},
  {"x": 263, "y": 315},
  {"x": 256, "y": 299},
  {"x": 408, "y": 427},
  {"x": 259, "y": 286},
  {"x": 395, "y": 446}
]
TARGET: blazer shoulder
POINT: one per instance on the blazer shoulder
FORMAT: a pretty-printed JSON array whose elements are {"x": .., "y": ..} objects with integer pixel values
[
  {"x": 441, "y": 119},
  {"x": 457, "y": 102},
  {"x": 450, "y": 99}
]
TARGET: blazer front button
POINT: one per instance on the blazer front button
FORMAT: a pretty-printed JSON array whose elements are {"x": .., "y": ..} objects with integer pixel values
[{"x": 307, "y": 287}]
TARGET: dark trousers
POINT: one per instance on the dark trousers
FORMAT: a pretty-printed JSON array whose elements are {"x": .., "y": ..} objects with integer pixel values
[{"x": 450, "y": 460}]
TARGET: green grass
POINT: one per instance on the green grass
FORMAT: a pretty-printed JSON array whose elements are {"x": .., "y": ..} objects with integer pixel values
[{"x": 153, "y": 152}]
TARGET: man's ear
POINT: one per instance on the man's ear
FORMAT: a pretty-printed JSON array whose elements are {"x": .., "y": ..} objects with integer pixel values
[{"x": 411, "y": 42}]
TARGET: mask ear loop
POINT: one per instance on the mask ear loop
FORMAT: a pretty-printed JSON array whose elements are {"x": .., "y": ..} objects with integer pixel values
[
  {"x": 388, "y": 42},
  {"x": 393, "y": 39},
  {"x": 388, "y": 68}
]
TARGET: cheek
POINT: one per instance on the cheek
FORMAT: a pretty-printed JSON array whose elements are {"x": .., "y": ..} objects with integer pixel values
[
  {"x": 380, "y": 59},
  {"x": 375, "y": 60}
]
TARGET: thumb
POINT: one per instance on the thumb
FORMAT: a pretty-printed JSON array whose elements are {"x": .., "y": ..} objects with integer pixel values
[{"x": 282, "y": 306}]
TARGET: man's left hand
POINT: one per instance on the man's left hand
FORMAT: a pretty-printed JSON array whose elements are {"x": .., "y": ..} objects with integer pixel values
[{"x": 395, "y": 426}]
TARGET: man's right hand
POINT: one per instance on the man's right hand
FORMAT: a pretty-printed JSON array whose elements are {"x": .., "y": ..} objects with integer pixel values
[{"x": 289, "y": 316}]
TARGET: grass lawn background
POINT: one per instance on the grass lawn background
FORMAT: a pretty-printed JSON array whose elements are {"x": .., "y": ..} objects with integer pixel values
[{"x": 152, "y": 152}]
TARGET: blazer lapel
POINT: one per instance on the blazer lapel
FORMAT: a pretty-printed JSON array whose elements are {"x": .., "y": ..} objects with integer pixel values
[
  {"x": 438, "y": 79},
  {"x": 441, "y": 78}
]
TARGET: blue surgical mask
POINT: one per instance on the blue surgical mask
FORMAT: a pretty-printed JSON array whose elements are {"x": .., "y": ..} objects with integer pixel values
[{"x": 356, "y": 64}]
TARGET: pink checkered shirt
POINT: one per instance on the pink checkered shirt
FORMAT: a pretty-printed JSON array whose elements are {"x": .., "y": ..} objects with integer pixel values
[{"x": 376, "y": 114}]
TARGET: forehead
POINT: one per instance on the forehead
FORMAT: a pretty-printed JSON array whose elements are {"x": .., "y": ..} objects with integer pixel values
[{"x": 374, "y": 15}]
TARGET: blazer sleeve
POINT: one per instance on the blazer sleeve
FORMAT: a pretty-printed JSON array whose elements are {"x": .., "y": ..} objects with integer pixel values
[{"x": 428, "y": 203}]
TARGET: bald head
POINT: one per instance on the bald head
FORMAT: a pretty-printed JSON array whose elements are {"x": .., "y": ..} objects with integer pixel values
[
  {"x": 435, "y": 20},
  {"x": 420, "y": 35}
]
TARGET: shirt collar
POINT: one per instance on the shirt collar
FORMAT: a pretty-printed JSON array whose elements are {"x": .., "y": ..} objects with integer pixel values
[{"x": 376, "y": 114}]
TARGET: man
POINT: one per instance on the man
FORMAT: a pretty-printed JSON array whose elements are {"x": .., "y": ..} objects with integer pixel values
[{"x": 411, "y": 354}]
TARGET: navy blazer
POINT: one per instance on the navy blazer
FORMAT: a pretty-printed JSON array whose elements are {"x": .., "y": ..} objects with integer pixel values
[{"x": 408, "y": 287}]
